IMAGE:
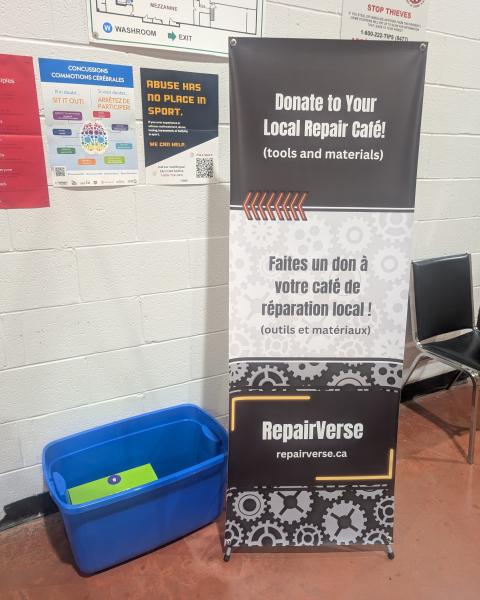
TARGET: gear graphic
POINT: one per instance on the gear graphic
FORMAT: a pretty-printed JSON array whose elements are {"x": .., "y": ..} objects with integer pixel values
[
  {"x": 290, "y": 505},
  {"x": 233, "y": 533},
  {"x": 395, "y": 305},
  {"x": 354, "y": 234},
  {"x": 325, "y": 494},
  {"x": 249, "y": 506},
  {"x": 315, "y": 238},
  {"x": 384, "y": 511},
  {"x": 278, "y": 346},
  {"x": 393, "y": 227},
  {"x": 231, "y": 492},
  {"x": 344, "y": 522},
  {"x": 376, "y": 536},
  {"x": 240, "y": 261},
  {"x": 390, "y": 265},
  {"x": 369, "y": 492},
  {"x": 263, "y": 236},
  {"x": 306, "y": 371},
  {"x": 240, "y": 341},
  {"x": 387, "y": 374},
  {"x": 348, "y": 378},
  {"x": 267, "y": 534},
  {"x": 307, "y": 535},
  {"x": 384, "y": 344},
  {"x": 237, "y": 370},
  {"x": 268, "y": 376},
  {"x": 353, "y": 347}
]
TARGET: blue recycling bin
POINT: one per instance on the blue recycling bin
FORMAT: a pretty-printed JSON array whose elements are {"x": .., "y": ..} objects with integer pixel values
[{"x": 187, "y": 450}]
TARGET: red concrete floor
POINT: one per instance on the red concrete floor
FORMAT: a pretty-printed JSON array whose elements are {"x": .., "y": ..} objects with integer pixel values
[{"x": 437, "y": 540}]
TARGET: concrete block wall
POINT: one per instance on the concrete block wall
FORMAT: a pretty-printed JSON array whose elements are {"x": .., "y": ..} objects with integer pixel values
[{"x": 113, "y": 301}]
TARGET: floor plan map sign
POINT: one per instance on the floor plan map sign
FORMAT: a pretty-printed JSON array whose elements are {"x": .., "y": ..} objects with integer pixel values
[{"x": 186, "y": 25}]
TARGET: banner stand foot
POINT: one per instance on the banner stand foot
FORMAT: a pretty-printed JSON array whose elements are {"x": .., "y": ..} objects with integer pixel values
[
  {"x": 228, "y": 553},
  {"x": 390, "y": 552}
]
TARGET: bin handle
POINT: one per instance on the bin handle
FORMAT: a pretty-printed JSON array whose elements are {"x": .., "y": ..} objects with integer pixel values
[
  {"x": 209, "y": 434},
  {"x": 59, "y": 482}
]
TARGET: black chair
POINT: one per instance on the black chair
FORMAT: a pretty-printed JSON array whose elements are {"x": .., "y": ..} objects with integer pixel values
[{"x": 441, "y": 302}]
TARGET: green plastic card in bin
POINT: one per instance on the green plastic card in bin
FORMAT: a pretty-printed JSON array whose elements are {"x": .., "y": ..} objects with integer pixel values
[{"x": 106, "y": 486}]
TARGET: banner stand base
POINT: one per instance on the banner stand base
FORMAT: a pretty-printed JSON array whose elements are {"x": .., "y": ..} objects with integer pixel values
[
  {"x": 390, "y": 552},
  {"x": 228, "y": 552}
]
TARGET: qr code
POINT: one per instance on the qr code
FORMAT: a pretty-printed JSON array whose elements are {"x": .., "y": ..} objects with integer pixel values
[
  {"x": 60, "y": 172},
  {"x": 204, "y": 167}
]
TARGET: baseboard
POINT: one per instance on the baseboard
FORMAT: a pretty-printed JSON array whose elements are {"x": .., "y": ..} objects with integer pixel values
[
  {"x": 41, "y": 505},
  {"x": 430, "y": 385},
  {"x": 27, "y": 509}
]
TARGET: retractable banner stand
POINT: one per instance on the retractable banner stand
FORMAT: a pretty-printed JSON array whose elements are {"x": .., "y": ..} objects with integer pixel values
[{"x": 324, "y": 147}]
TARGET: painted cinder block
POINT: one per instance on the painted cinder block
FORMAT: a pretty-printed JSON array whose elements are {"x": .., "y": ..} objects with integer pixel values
[
  {"x": 442, "y": 107},
  {"x": 209, "y": 355},
  {"x": 455, "y": 18},
  {"x": 132, "y": 269},
  {"x": 283, "y": 21},
  {"x": 11, "y": 454},
  {"x": 136, "y": 370},
  {"x": 76, "y": 218},
  {"x": 53, "y": 333},
  {"x": 182, "y": 212},
  {"x": 36, "y": 433},
  {"x": 38, "y": 278},
  {"x": 208, "y": 261},
  {"x": 438, "y": 199},
  {"x": 185, "y": 313},
  {"x": 450, "y": 236},
  {"x": 42, "y": 389}
]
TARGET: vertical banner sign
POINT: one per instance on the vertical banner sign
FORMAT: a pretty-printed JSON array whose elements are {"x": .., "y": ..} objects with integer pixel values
[
  {"x": 397, "y": 21},
  {"x": 90, "y": 119},
  {"x": 324, "y": 148},
  {"x": 180, "y": 126},
  {"x": 23, "y": 180}
]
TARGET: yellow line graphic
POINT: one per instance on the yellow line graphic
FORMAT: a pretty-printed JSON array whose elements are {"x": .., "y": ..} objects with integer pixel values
[
  {"x": 260, "y": 397},
  {"x": 389, "y": 475}
]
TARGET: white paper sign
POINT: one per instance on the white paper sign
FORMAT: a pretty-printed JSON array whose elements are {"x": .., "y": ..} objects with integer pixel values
[
  {"x": 396, "y": 21},
  {"x": 186, "y": 25}
]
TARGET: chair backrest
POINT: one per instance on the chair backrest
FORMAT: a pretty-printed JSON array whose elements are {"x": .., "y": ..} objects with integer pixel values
[{"x": 442, "y": 295}]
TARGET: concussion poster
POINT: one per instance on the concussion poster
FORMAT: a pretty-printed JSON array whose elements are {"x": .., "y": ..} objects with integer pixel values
[
  {"x": 90, "y": 122},
  {"x": 324, "y": 147}
]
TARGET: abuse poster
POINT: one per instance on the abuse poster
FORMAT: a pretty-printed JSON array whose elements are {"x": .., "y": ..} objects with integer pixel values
[
  {"x": 398, "y": 20},
  {"x": 199, "y": 26},
  {"x": 23, "y": 180},
  {"x": 90, "y": 120},
  {"x": 180, "y": 126},
  {"x": 323, "y": 174}
]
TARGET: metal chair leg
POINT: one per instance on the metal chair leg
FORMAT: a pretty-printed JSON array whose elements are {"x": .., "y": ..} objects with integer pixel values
[
  {"x": 473, "y": 418},
  {"x": 413, "y": 366},
  {"x": 453, "y": 380}
]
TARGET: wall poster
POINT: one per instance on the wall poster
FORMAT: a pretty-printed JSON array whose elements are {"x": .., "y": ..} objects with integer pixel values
[
  {"x": 23, "y": 180},
  {"x": 90, "y": 119},
  {"x": 323, "y": 174},
  {"x": 180, "y": 126},
  {"x": 397, "y": 21},
  {"x": 187, "y": 25}
]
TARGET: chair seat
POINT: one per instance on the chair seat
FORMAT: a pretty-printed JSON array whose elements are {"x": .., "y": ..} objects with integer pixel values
[{"x": 464, "y": 349}]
